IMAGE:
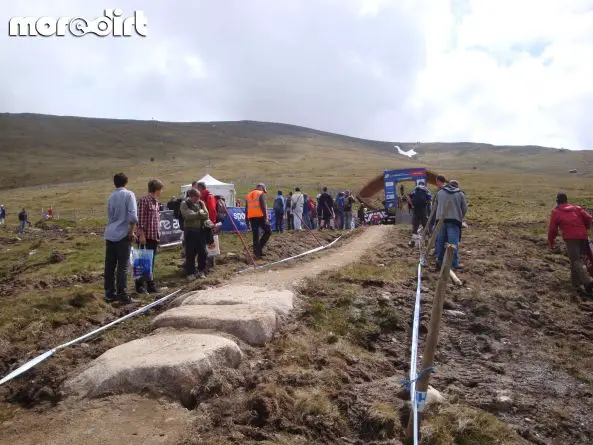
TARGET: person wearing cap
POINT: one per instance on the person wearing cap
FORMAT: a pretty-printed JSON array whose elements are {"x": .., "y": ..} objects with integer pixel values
[
  {"x": 257, "y": 218},
  {"x": 574, "y": 223},
  {"x": 451, "y": 208}
]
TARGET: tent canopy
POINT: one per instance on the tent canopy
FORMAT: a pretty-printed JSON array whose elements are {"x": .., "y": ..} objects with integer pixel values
[{"x": 226, "y": 190}]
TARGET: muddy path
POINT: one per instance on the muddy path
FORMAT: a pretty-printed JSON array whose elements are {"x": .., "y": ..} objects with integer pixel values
[{"x": 147, "y": 420}]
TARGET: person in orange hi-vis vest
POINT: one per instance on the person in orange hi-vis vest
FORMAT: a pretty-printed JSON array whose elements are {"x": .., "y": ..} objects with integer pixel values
[{"x": 256, "y": 214}]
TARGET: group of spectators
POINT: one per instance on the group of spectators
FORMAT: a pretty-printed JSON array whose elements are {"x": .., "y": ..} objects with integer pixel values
[{"x": 299, "y": 210}]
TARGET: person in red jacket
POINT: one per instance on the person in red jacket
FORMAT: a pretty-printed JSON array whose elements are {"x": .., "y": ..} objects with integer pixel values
[
  {"x": 574, "y": 222},
  {"x": 210, "y": 201}
]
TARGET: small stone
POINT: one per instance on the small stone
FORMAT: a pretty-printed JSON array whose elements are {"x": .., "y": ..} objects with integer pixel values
[
  {"x": 434, "y": 397},
  {"x": 385, "y": 297},
  {"x": 503, "y": 401},
  {"x": 455, "y": 313}
]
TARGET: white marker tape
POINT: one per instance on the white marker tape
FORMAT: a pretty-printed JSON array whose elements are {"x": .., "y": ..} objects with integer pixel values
[{"x": 31, "y": 363}]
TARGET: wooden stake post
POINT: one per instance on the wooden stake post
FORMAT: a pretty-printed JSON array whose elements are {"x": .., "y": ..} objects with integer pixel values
[{"x": 433, "y": 336}]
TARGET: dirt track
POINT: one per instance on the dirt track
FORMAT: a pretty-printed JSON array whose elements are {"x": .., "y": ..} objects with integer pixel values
[{"x": 144, "y": 420}]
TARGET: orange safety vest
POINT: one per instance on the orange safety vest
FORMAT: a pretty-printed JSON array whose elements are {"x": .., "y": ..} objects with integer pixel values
[{"x": 254, "y": 209}]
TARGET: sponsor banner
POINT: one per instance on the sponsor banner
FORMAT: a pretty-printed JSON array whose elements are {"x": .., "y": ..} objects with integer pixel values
[
  {"x": 170, "y": 230},
  {"x": 238, "y": 216}
]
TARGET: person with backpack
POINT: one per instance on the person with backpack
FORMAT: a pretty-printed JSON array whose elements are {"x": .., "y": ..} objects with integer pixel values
[
  {"x": 574, "y": 222},
  {"x": 340, "y": 213},
  {"x": 420, "y": 199},
  {"x": 279, "y": 206},
  {"x": 289, "y": 213}
]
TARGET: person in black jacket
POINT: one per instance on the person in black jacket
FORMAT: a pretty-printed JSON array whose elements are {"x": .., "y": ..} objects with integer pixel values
[{"x": 326, "y": 208}]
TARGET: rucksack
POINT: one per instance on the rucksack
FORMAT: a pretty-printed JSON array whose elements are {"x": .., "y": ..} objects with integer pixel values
[
  {"x": 419, "y": 200},
  {"x": 221, "y": 212},
  {"x": 340, "y": 203},
  {"x": 279, "y": 204},
  {"x": 177, "y": 209}
]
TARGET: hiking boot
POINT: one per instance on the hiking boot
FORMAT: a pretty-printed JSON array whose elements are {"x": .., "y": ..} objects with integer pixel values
[
  {"x": 458, "y": 268},
  {"x": 201, "y": 275},
  {"x": 109, "y": 298},
  {"x": 126, "y": 299},
  {"x": 152, "y": 289}
]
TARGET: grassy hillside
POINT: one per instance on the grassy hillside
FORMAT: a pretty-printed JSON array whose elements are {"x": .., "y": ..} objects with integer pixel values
[{"x": 42, "y": 149}]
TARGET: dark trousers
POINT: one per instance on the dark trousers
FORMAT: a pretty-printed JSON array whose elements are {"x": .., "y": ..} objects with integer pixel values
[
  {"x": 195, "y": 246},
  {"x": 258, "y": 224},
  {"x": 578, "y": 274},
  {"x": 150, "y": 245},
  {"x": 289, "y": 221},
  {"x": 419, "y": 219},
  {"x": 279, "y": 221},
  {"x": 117, "y": 257}
]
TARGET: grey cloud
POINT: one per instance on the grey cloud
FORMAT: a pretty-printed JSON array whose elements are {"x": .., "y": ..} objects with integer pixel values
[{"x": 315, "y": 63}]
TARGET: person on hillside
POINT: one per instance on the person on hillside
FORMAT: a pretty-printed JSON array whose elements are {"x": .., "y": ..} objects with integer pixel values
[
  {"x": 420, "y": 199},
  {"x": 149, "y": 223},
  {"x": 361, "y": 214},
  {"x": 348, "y": 203},
  {"x": 122, "y": 218},
  {"x": 451, "y": 208},
  {"x": 298, "y": 203},
  {"x": 574, "y": 223},
  {"x": 257, "y": 218},
  {"x": 195, "y": 232},
  {"x": 279, "y": 207},
  {"x": 50, "y": 213},
  {"x": 289, "y": 212},
  {"x": 23, "y": 218},
  {"x": 211, "y": 204},
  {"x": 2, "y": 214},
  {"x": 326, "y": 203}
]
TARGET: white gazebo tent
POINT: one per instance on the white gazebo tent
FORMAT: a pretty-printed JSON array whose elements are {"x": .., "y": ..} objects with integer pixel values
[{"x": 216, "y": 187}]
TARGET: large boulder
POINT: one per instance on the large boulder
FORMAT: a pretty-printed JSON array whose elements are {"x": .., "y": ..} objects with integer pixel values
[
  {"x": 279, "y": 300},
  {"x": 168, "y": 363},
  {"x": 254, "y": 324}
]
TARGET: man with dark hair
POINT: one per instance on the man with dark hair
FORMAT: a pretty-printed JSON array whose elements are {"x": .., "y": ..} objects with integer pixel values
[
  {"x": 122, "y": 218},
  {"x": 441, "y": 182},
  {"x": 256, "y": 214},
  {"x": 451, "y": 208},
  {"x": 574, "y": 222},
  {"x": 149, "y": 223},
  {"x": 420, "y": 200},
  {"x": 197, "y": 220}
]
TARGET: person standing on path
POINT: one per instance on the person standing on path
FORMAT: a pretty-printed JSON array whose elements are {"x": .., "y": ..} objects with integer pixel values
[
  {"x": 451, "y": 208},
  {"x": 149, "y": 223},
  {"x": 339, "y": 206},
  {"x": 279, "y": 206},
  {"x": 122, "y": 217},
  {"x": 298, "y": 203},
  {"x": 574, "y": 222},
  {"x": 257, "y": 218},
  {"x": 196, "y": 221},
  {"x": 420, "y": 199}
]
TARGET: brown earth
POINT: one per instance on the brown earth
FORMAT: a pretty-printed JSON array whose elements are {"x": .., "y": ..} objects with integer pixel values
[{"x": 332, "y": 374}]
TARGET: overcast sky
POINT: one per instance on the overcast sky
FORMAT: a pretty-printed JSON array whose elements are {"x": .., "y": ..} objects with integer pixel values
[{"x": 503, "y": 72}]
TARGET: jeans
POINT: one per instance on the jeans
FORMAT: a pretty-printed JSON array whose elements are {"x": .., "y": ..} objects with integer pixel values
[
  {"x": 340, "y": 223},
  {"x": 289, "y": 221},
  {"x": 578, "y": 274},
  {"x": 117, "y": 257},
  {"x": 348, "y": 218},
  {"x": 419, "y": 219},
  {"x": 279, "y": 221},
  {"x": 195, "y": 245},
  {"x": 150, "y": 245},
  {"x": 449, "y": 233},
  {"x": 21, "y": 228},
  {"x": 258, "y": 224}
]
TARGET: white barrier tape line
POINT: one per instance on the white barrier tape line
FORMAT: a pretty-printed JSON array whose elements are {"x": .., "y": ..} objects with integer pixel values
[
  {"x": 30, "y": 364},
  {"x": 176, "y": 243},
  {"x": 308, "y": 252},
  {"x": 414, "y": 355}
]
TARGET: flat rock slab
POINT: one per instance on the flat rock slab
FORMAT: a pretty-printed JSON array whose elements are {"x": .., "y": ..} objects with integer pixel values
[
  {"x": 167, "y": 364},
  {"x": 254, "y": 324},
  {"x": 279, "y": 300}
]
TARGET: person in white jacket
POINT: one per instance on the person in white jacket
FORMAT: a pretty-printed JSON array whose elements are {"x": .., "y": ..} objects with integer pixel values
[{"x": 298, "y": 203}]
